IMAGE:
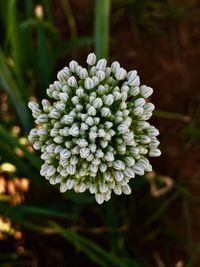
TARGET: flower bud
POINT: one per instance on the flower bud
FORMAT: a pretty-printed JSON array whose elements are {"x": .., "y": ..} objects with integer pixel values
[
  {"x": 99, "y": 198},
  {"x": 155, "y": 152},
  {"x": 101, "y": 64},
  {"x": 134, "y": 82},
  {"x": 134, "y": 90},
  {"x": 120, "y": 74},
  {"x": 138, "y": 169},
  {"x": 108, "y": 100},
  {"x": 83, "y": 74},
  {"x": 129, "y": 172},
  {"x": 126, "y": 189},
  {"x": 98, "y": 103},
  {"x": 115, "y": 66},
  {"x": 91, "y": 59},
  {"x": 100, "y": 75},
  {"x": 105, "y": 112},
  {"x": 146, "y": 91},
  {"x": 89, "y": 83},
  {"x": 73, "y": 65},
  {"x": 131, "y": 75},
  {"x": 72, "y": 81}
]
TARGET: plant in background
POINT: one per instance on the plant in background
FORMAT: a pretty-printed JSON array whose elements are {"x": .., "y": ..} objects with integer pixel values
[{"x": 93, "y": 131}]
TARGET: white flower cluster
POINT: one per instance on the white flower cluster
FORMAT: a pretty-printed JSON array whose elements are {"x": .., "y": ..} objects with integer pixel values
[{"x": 93, "y": 131}]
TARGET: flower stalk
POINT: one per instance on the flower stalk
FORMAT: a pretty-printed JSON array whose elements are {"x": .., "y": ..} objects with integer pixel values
[{"x": 102, "y": 14}]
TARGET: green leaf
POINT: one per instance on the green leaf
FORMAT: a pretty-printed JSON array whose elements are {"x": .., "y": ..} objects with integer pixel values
[
  {"x": 8, "y": 83},
  {"x": 39, "y": 210},
  {"x": 13, "y": 35},
  {"x": 9, "y": 139},
  {"x": 96, "y": 251}
]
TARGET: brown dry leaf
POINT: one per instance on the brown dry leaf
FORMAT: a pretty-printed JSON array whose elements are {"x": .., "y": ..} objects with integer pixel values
[{"x": 166, "y": 180}]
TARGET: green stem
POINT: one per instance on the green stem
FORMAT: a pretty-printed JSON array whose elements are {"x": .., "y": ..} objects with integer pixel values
[
  {"x": 102, "y": 18},
  {"x": 172, "y": 115},
  {"x": 70, "y": 18}
]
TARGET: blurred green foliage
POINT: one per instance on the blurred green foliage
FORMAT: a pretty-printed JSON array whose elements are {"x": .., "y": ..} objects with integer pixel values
[{"x": 117, "y": 233}]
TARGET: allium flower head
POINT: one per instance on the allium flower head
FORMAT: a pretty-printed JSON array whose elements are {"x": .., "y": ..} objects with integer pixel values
[{"x": 93, "y": 131}]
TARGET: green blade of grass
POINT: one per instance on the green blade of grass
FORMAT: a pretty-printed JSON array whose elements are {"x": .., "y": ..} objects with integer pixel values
[
  {"x": 12, "y": 34},
  {"x": 70, "y": 18},
  {"x": 96, "y": 253},
  {"x": 7, "y": 154},
  {"x": 28, "y": 165},
  {"x": 172, "y": 116},
  {"x": 75, "y": 239},
  {"x": 161, "y": 209},
  {"x": 23, "y": 219},
  {"x": 8, "y": 84},
  {"x": 194, "y": 256},
  {"x": 33, "y": 210},
  {"x": 102, "y": 17},
  {"x": 9, "y": 139},
  {"x": 44, "y": 63}
]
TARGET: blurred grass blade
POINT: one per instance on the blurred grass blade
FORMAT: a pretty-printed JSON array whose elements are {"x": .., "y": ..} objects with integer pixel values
[
  {"x": 48, "y": 10},
  {"x": 195, "y": 255},
  {"x": 22, "y": 219},
  {"x": 70, "y": 18},
  {"x": 24, "y": 169},
  {"x": 12, "y": 34},
  {"x": 44, "y": 50},
  {"x": 36, "y": 210},
  {"x": 76, "y": 240},
  {"x": 172, "y": 115},
  {"x": 86, "y": 244},
  {"x": 9, "y": 139},
  {"x": 75, "y": 44},
  {"x": 28, "y": 165},
  {"x": 8, "y": 84},
  {"x": 43, "y": 64},
  {"x": 102, "y": 18},
  {"x": 155, "y": 216},
  {"x": 8, "y": 155}
]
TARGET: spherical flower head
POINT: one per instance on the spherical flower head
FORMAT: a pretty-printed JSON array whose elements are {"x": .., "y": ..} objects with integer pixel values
[{"x": 92, "y": 130}]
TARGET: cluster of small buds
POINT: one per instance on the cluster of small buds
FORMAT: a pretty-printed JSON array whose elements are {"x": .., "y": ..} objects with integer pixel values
[{"x": 93, "y": 131}]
